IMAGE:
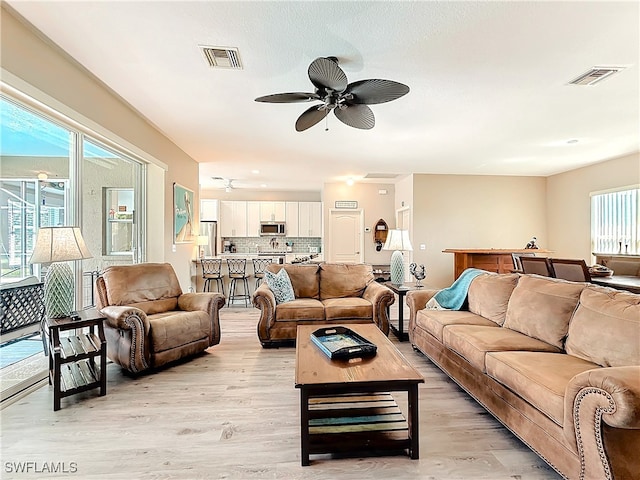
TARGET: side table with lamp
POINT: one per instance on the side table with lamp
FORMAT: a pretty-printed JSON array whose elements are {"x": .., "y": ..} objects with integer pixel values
[
  {"x": 398, "y": 241},
  {"x": 72, "y": 365}
]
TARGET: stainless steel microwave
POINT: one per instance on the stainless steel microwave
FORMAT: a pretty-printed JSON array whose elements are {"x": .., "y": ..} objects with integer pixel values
[{"x": 272, "y": 229}]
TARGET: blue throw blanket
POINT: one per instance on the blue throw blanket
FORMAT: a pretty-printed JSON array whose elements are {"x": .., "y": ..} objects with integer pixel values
[{"x": 453, "y": 297}]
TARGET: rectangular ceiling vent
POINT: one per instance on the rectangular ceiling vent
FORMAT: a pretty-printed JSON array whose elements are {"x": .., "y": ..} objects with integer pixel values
[
  {"x": 381, "y": 175},
  {"x": 595, "y": 75},
  {"x": 222, "y": 57}
]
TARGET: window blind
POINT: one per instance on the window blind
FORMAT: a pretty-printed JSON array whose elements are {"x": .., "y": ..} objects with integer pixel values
[{"x": 615, "y": 222}]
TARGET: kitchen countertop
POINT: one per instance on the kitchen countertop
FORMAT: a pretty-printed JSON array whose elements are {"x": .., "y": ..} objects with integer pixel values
[{"x": 288, "y": 256}]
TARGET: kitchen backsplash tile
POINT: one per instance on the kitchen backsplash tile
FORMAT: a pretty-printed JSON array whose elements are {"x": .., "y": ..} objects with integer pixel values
[{"x": 252, "y": 244}]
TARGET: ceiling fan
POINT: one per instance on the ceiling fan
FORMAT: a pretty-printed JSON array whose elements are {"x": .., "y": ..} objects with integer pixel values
[
  {"x": 347, "y": 100},
  {"x": 227, "y": 183}
]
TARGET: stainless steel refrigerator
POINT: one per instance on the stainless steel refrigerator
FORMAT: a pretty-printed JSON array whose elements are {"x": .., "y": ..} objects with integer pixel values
[{"x": 210, "y": 229}]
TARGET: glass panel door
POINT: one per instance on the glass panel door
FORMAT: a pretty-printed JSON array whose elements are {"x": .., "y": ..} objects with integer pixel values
[
  {"x": 35, "y": 155},
  {"x": 111, "y": 206}
]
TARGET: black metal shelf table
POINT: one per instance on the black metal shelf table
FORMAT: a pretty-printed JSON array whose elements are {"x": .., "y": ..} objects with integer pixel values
[
  {"x": 401, "y": 291},
  {"x": 72, "y": 359}
]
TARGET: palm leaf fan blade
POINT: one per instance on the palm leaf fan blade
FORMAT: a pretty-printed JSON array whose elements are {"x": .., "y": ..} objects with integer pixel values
[
  {"x": 326, "y": 74},
  {"x": 356, "y": 116},
  {"x": 310, "y": 117},
  {"x": 294, "y": 97},
  {"x": 375, "y": 91}
]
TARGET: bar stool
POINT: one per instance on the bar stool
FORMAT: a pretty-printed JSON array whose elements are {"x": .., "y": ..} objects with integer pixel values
[
  {"x": 259, "y": 266},
  {"x": 212, "y": 270},
  {"x": 237, "y": 271}
]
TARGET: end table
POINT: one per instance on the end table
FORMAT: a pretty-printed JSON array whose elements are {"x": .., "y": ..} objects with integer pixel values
[
  {"x": 72, "y": 358},
  {"x": 401, "y": 291}
]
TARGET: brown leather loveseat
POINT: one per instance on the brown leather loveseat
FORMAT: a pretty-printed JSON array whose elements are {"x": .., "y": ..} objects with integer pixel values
[
  {"x": 557, "y": 362},
  {"x": 325, "y": 293},
  {"x": 150, "y": 322}
]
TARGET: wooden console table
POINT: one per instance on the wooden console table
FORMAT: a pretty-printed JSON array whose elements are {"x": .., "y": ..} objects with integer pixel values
[{"x": 496, "y": 260}]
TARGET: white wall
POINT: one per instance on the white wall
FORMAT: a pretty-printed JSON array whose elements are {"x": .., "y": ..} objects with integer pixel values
[
  {"x": 467, "y": 211},
  {"x": 569, "y": 204}
]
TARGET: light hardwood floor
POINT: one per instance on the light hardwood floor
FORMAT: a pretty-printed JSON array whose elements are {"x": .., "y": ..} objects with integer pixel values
[{"x": 232, "y": 413}]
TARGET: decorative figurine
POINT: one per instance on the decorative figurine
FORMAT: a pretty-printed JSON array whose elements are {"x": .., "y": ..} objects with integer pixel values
[
  {"x": 418, "y": 272},
  {"x": 531, "y": 244}
]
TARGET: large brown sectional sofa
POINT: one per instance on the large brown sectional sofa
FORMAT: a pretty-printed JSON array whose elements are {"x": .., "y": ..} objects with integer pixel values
[
  {"x": 557, "y": 362},
  {"x": 325, "y": 293}
]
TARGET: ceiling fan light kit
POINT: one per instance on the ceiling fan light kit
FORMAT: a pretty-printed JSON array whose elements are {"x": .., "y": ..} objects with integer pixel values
[{"x": 348, "y": 101}]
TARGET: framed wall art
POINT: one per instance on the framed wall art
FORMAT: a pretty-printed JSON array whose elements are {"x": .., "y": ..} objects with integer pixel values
[{"x": 183, "y": 226}]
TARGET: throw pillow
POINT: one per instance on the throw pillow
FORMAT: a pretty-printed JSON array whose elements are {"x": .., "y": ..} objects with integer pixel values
[{"x": 280, "y": 285}]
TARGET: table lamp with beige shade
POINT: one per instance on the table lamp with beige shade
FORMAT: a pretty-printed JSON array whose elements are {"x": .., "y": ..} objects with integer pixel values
[
  {"x": 398, "y": 241},
  {"x": 202, "y": 240},
  {"x": 55, "y": 246}
]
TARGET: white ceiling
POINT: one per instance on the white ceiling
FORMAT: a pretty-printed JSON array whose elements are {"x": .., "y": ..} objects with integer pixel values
[{"x": 488, "y": 81}]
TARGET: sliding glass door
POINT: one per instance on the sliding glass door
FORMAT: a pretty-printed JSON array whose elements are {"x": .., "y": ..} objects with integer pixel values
[
  {"x": 52, "y": 173},
  {"x": 112, "y": 214}
]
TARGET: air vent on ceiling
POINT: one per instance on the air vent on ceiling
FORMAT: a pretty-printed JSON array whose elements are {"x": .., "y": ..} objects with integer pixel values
[
  {"x": 595, "y": 75},
  {"x": 381, "y": 175},
  {"x": 222, "y": 57}
]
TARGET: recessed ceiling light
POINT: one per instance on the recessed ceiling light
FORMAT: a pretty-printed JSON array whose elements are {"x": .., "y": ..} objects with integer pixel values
[
  {"x": 264, "y": 185},
  {"x": 350, "y": 181},
  {"x": 255, "y": 172}
]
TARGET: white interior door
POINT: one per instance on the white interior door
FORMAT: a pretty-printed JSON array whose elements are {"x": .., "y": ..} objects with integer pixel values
[{"x": 345, "y": 236}]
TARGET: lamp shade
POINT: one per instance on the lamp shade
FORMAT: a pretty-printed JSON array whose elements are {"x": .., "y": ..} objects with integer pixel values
[
  {"x": 398, "y": 240},
  {"x": 203, "y": 240},
  {"x": 59, "y": 244},
  {"x": 56, "y": 245}
]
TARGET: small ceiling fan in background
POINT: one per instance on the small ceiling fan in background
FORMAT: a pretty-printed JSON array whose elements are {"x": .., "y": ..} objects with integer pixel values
[
  {"x": 227, "y": 183},
  {"x": 347, "y": 100}
]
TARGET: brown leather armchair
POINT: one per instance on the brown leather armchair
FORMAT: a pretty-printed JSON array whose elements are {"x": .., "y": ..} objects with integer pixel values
[{"x": 150, "y": 322}]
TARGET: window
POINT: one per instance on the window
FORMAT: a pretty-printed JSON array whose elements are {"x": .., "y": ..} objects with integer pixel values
[
  {"x": 34, "y": 186},
  {"x": 118, "y": 212},
  {"x": 56, "y": 172},
  {"x": 111, "y": 182},
  {"x": 615, "y": 222}
]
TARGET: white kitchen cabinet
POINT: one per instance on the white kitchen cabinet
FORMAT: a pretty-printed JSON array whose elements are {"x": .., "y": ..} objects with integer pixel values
[
  {"x": 233, "y": 218},
  {"x": 208, "y": 209},
  {"x": 310, "y": 219},
  {"x": 253, "y": 219},
  {"x": 272, "y": 211},
  {"x": 291, "y": 219}
]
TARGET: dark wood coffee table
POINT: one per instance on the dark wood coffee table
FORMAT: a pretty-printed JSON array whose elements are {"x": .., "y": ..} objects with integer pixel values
[{"x": 345, "y": 405}]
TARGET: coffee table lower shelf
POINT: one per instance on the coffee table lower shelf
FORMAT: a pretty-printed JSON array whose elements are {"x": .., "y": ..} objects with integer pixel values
[{"x": 357, "y": 423}]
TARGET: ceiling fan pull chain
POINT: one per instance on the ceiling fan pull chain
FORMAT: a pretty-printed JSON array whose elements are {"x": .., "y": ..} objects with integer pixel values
[{"x": 326, "y": 123}]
